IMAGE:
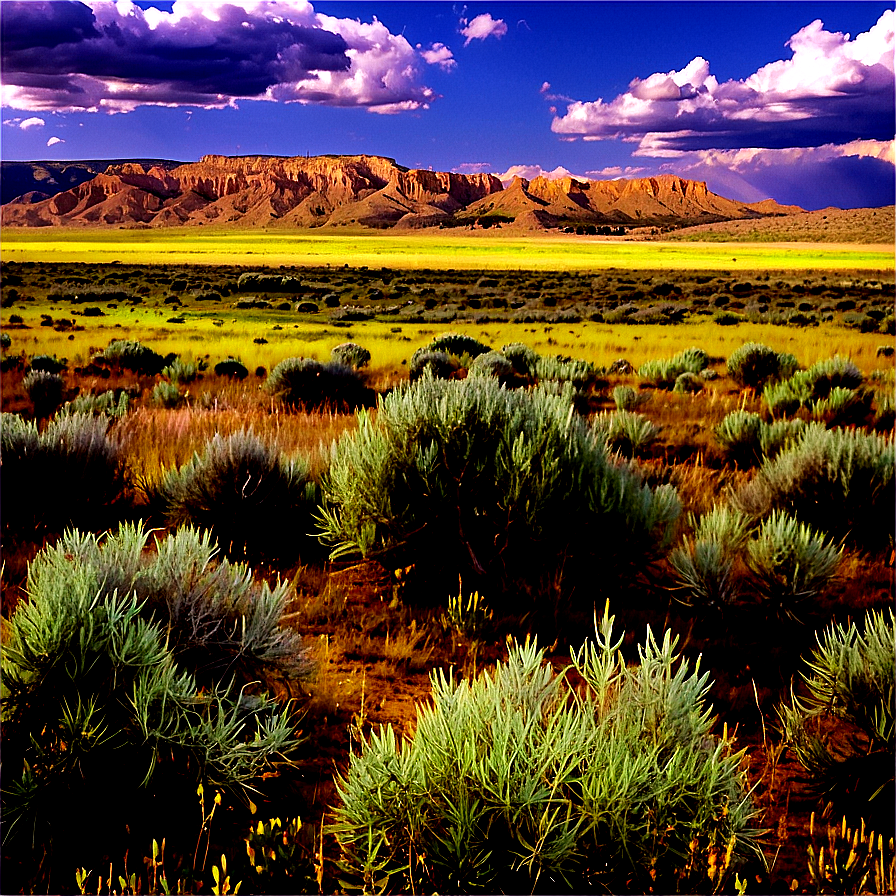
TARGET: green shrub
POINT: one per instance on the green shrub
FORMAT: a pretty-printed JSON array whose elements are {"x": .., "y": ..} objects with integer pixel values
[
  {"x": 501, "y": 486},
  {"x": 440, "y": 364},
  {"x": 523, "y": 358},
  {"x": 779, "y": 435},
  {"x": 123, "y": 677},
  {"x": 72, "y": 473},
  {"x": 512, "y": 782},
  {"x": 304, "y": 382},
  {"x": 258, "y": 282},
  {"x": 48, "y": 363},
  {"x": 252, "y": 499},
  {"x": 728, "y": 318},
  {"x": 832, "y": 373},
  {"x": 125, "y": 354},
  {"x": 46, "y": 391},
  {"x": 5, "y": 341},
  {"x": 790, "y": 563},
  {"x": 561, "y": 369},
  {"x": 739, "y": 437},
  {"x": 850, "y": 678},
  {"x": 843, "y": 407},
  {"x": 183, "y": 372},
  {"x": 458, "y": 345},
  {"x": 626, "y": 398},
  {"x": 494, "y": 364},
  {"x": 107, "y": 404},
  {"x": 754, "y": 365},
  {"x": 688, "y": 383},
  {"x": 705, "y": 568},
  {"x": 836, "y": 481},
  {"x": 350, "y": 354},
  {"x": 663, "y": 373},
  {"x": 233, "y": 368},
  {"x": 167, "y": 395},
  {"x": 627, "y": 432}
]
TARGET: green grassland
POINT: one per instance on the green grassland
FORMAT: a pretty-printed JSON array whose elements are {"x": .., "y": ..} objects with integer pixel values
[{"x": 440, "y": 250}]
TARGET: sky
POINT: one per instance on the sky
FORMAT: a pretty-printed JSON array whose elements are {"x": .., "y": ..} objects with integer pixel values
[{"x": 790, "y": 101}]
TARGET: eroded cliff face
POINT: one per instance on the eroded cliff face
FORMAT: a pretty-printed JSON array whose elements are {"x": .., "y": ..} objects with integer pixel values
[{"x": 371, "y": 191}]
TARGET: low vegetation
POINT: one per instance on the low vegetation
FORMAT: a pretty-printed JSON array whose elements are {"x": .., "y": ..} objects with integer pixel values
[{"x": 427, "y": 471}]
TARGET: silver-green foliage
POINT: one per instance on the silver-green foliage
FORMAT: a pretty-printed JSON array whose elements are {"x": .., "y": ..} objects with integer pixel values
[
  {"x": 305, "y": 382},
  {"x": 46, "y": 391},
  {"x": 705, "y": 567},
  {"x": 837, "y": 481},
  {"x": 122, "y": 662},
  {"x": 517, "y": 781},
  {"x": 851, "y": 678},
  {"x": 168, "y": 396},
  {"x": 72, "y": 472},
  {"x": 754, "y": 365},
  {"x": 806, "y": 387},
  {"x": 663, "y": 372},
  {"x": 106, "y": 404},
  {"x": 182, "y": 372},
  {"x": 126, "y": 354},
  {"x": 628, "y": 399},
  {"x": 738, "y": 434},
  {"x": 626, "y": 431},
  {"x": 496, "y": 482},
  {"x": 790, "y": 563},
  {"x": 254, "y": 499},
  {"x": 351, "y": 355}
]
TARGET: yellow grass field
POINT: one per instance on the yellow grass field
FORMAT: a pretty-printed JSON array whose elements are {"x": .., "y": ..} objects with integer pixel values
[{"x": 441, "y": 250}]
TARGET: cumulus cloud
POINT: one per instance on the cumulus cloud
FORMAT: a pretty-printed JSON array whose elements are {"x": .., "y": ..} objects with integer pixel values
[
  {"x": 833, "y": 89},
  {"x": 481, "y": 27},
  {"x": 31, "y": 123},
  {"x": 530, "y": 172},
  {"x": 54, "y": 140},
  {"x": 113, "y": 57},
  {"x": 438, "y": 54}
]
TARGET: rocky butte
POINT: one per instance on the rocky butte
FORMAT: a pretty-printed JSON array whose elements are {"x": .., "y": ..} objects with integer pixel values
[{"x": 363, "y": 191}]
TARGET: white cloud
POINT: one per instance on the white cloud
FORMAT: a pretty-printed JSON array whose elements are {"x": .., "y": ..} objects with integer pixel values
[
  {"x": 530, "y": 172},
  {"x": 31, "y": 123},
  {"x": 833, "y": 89},
  {"x": 483, "y": 26},
  {"x": 440, "y": 55},
  {"x": 54, "y": 140}
]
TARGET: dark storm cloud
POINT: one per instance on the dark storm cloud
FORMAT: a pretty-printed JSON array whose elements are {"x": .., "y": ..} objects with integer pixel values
[{"x": 116, "y": 56}]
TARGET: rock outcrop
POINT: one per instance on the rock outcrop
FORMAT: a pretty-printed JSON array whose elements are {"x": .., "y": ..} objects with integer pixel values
[{"x": 366, "y": 191}]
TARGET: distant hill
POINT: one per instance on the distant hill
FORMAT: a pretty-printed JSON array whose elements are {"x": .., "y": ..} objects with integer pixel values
[
  {"x": 19, "y": 179},
  {"x": 339, "y": 191},
  {"x": 829, "y": 225}
]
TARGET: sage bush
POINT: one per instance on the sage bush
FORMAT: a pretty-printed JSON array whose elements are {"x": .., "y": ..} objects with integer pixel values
[
  {"x": 836, "y": 481},
  {"x": 754, "y": 365},
  {"x": 627, "y": 432},
  {"x": 74, "y": 472},
  {"x": 518, "y": 782},
  {"x": 849, "y": 678},
  {"x": 306, "y": 383},
  {"x": 663, "y": 372},
  {"x": 126, "y": 354},
  {"x": 254, "y": 500},
  {"x": 790, "y": 563},
  {"x": 111, "y": 403},
  {"x": 500, "y": 486},
  {"x": 46, "y": 392},
  {"x": 125, "y": 680},
  {"x": 350, "y": 354}
]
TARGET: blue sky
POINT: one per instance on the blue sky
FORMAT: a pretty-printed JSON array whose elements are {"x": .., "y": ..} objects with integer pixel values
[{"x": 792, "y": 101}]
